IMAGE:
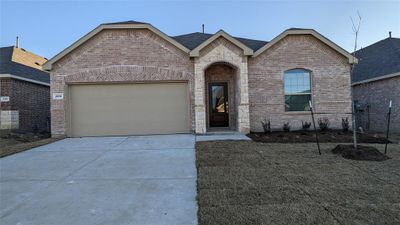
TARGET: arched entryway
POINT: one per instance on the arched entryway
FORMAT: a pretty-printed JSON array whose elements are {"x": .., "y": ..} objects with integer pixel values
[{"x": 220, "y": 97}]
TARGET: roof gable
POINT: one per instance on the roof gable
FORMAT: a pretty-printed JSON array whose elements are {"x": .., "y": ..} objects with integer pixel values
[
  {"x": 192, "y": 40},
  {"x": 196, "y": 51},
  {"x": 110, "y": 26},
  {"x": 296, "y": 31}
]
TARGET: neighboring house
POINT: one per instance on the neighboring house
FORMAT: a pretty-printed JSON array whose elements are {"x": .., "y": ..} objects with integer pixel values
[
  {"x": 24, "y": 90},
  {"x": 376, "y": 81},
  {"x": 130, "y": 78}
]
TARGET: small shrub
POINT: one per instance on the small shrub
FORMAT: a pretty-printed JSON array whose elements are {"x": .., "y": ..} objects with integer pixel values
[
  {"x": 286, "y": 127},
  {"x": 345, "y": 124},
  {"x": 266, "y": 124},
  {"x": 305, "y": 125},
  {"x": 323, "y": 124}
]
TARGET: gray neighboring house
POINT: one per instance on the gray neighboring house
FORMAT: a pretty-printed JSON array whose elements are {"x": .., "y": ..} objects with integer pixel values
[
  {"x": 24, "y": 90},
  {"x": 376, "y": 81}
]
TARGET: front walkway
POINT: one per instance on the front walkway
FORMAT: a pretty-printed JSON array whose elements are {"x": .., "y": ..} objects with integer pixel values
[{"x": 105, "y": 180}]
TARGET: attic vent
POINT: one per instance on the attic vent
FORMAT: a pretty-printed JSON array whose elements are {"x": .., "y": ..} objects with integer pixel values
[
  {"x": 23, "y": 49},
  {"x": 37, "y": 63}
]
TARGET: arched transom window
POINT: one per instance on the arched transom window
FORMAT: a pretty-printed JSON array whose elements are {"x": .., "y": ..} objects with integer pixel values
[{"x": 297, "y": 84}]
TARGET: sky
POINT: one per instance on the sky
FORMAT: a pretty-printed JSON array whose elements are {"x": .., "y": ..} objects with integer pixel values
[{"x": 48, "y": 27}]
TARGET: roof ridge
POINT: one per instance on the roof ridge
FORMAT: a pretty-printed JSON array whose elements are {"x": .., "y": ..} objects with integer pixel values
[{"x": 375, "y": 44}]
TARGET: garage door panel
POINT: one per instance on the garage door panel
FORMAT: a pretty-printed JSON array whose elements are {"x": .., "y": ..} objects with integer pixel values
[{"x": 129, "y": 109}]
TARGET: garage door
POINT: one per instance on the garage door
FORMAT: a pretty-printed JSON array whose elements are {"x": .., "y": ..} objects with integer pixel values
[{"x": 128, "y": 109}]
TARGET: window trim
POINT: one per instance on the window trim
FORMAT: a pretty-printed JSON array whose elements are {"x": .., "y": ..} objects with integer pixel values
[{"x": 298, "y": 94}]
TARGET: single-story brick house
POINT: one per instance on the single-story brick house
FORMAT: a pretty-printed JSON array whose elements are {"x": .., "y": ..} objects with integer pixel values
[
  {"x": 130, "y": 78},
  {"x": 24, "y": 91},
  {"x": 376, "y": 81}
]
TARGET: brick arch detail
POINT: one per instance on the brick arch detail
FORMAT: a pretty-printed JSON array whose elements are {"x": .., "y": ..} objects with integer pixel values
[{"x": 221, "y": 51}]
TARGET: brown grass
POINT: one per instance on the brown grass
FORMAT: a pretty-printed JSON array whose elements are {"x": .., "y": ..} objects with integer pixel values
[
  {"x": 243, "y": 182},
  {"x": 19, "y": 147}
]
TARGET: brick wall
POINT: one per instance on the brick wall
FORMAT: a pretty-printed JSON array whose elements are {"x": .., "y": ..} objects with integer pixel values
[
  {"x": 140, "y": 55},
  {"x": 32, "y": 101},
  {"x": 119, "y": 56},
  {"x": 377, "y": 95},
  {"x": 330, "y": 74}
]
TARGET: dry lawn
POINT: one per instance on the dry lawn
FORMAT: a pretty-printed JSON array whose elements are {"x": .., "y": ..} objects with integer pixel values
[
  {"x": 244, "y": 182},
  {"x": 13, "y": 147}
]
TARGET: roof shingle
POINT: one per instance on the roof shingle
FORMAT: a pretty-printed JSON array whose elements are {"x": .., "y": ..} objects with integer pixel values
[
  {"x": 7, "y": 66},
  {"x": 192, "y": 40},
  {"x": 379, "y": 59}
]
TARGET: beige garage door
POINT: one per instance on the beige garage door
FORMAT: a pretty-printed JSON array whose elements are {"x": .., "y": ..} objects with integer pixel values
[{"x": 128, "y": 109}]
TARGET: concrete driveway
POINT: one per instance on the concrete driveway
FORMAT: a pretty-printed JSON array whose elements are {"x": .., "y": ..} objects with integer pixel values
[{"x": 103, "y": 180}]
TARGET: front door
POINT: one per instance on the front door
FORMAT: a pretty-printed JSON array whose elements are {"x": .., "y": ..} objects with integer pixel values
[{"x": 218, "y": 104}]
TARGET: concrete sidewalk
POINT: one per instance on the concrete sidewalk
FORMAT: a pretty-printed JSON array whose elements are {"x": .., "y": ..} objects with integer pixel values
[{"x": 102, "y": 180}]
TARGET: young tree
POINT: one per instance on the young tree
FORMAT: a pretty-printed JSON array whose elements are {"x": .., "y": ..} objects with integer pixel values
[{"x": 356, "y": 29}]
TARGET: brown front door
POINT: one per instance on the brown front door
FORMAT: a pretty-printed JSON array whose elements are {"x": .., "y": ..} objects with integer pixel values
[{"x": 218, "y": 104}]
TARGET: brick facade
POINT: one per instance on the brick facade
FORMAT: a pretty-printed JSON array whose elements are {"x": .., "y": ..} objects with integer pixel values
[
  {"x": 330, "y": 79},
  {"x": 32, "y": 101},
  {"x": 118, "y": 56},
  {"x": 373, "y": 99},
  {"x": 138, "y": 55}
]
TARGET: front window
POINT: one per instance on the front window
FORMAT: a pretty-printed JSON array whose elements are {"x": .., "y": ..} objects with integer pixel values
[{"x": 297, "y": 84}]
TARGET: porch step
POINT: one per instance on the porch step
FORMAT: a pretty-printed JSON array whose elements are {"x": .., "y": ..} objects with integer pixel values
[{"x": 221, "y": 135}]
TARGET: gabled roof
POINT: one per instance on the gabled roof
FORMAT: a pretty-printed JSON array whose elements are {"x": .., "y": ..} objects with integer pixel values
[
  {"x": 196, "y": 51},
  {"x": 302, "y": 31},
  {"x": 192, "y": 40},
  {"x": 192, "y": 43},
  {"x": 9, "y": 67},
  {"x": 119, "y": 25},
  {"x": 377, "y": 60}
]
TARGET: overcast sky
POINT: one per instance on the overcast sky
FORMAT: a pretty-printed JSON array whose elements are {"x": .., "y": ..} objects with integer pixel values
[{"x": 47, "y": 27}]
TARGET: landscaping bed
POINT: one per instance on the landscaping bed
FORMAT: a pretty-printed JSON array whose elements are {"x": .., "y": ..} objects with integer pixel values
[
  {"x": 14, "y": 143},
  {"x": 331, "y": 136},
  {"x": 244, "y": 182}
]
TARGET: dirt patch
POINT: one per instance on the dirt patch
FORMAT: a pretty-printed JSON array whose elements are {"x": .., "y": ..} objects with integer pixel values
[
  {"x": 14, "y": 143},
  {"x": 367, "y": 153},
  {"x": 332, "y": 136},
  {"x": 12, "y": 149}
]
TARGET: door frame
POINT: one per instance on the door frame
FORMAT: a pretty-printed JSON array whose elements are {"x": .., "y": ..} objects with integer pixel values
[{"x": 225, "y": 84}]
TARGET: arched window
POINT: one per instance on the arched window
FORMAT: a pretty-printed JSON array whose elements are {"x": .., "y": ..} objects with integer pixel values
[{"x": 297, "y": 84}]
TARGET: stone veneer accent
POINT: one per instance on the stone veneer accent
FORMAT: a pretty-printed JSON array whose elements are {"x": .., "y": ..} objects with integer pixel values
[
  {"x": 221, "y": 51},
  {"x": 330, "y": 79}
]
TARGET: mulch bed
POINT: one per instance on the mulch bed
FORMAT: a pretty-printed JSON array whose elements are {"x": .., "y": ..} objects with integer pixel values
[
  {"x": 367, "y": 153},
  {"x": 332, "y": 136}
]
